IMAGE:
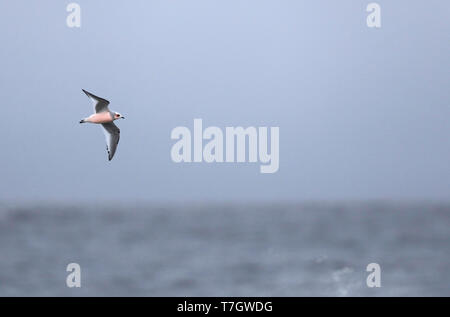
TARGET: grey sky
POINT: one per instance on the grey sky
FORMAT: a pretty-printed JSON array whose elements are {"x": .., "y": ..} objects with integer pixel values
[{"x": 363, "y": 113}]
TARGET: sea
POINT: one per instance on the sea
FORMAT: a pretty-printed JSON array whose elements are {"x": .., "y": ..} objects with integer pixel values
[{"x": 226, "y": 249}]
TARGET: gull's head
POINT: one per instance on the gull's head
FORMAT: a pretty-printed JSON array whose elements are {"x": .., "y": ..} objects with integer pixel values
[{"x": 118, "y": 116}]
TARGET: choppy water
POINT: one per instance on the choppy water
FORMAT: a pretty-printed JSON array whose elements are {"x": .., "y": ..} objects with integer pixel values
[{"x": 226, "y": 250}]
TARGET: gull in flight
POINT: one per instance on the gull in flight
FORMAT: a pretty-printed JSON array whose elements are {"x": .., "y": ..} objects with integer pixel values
[{"x": 106, "y": 118}]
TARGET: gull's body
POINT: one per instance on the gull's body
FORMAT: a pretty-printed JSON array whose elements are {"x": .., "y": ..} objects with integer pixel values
[
  {"x": 102, "y": 117},
  {"x": 106, "y": 118}
]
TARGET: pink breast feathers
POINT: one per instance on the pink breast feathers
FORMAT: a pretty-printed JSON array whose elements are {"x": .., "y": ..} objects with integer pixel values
[{"x": 102, "y": 117}]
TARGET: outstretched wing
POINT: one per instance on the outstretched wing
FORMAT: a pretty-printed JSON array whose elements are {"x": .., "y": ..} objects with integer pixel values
[
  {"x": 112, "y": 135},
  {"x": 100, "y": 104}
]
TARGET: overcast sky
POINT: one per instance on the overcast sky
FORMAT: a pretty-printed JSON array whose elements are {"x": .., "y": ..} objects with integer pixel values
[{"x": 363, "y": 113}]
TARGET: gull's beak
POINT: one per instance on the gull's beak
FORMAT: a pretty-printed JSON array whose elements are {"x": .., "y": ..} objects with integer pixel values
[{"x": 123, "y": 117}]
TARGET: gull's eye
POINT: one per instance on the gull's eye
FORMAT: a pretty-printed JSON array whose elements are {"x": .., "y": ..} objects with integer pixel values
[{"x": 117, "y": 115}]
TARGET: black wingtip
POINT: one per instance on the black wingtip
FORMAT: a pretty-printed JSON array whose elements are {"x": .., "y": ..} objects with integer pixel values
[
  {"x": 109, "y": 154},
  {"x": 88, "y": 93}
]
